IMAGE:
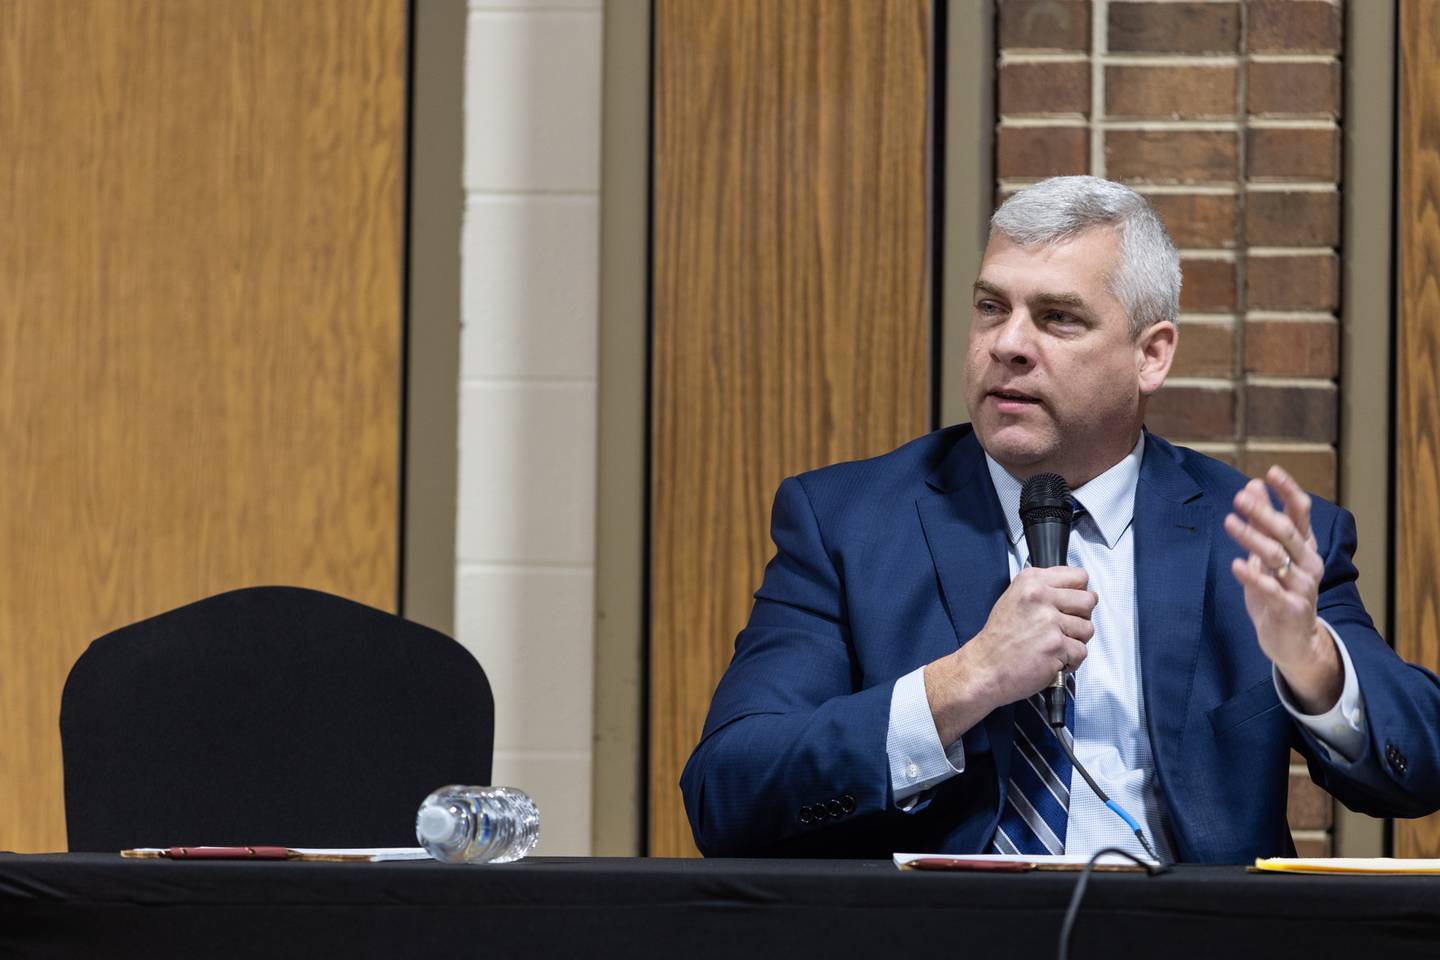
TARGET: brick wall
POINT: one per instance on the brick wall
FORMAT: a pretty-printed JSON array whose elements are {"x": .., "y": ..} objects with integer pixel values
[{"x": 1226, "y": 115}]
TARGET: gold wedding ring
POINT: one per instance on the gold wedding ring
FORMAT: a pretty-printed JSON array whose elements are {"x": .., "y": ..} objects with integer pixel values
[{"x": 1284, "y": 568}]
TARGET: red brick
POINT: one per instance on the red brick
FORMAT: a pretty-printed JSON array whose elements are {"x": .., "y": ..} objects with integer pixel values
[
  {"x": 1273, "y": 154},
  {"x": 1197, "y": 219},
  {"x": 1294, "y": 89},
  {"x": 1206, "y": 350},
  {"x": 1293, "y": 26},
  {"x": 1299, "y": 219},
  {"x": 1292, "y": 283},
  {"x": 1292, "y": 348},
  {"x": 1312, "y": 469},
  {"x": 1173, "y": 27},
  {"x": 1171, "y": 156},
  {"x": 1031, "y": 88},
  {"x": 1183, "y": 413},
  {"x": 1310, "y": 808},
  {"x": 1207, "y": 285},
  {"x": 1291, "y": 412},
  {"x": 1223, "y": 454},
  {"x": 1170, "y": 92},
  {"x": 1044, "y": 25},
  {"x": 1025, "y": 152}
]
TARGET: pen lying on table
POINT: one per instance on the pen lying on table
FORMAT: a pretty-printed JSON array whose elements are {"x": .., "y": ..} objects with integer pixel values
[
  {"x": 335, "y": 854},
  {"x": 214, "y": 853}
]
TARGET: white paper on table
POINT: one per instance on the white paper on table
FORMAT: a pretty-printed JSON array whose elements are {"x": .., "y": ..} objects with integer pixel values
[{"x": 372, "y": 854}]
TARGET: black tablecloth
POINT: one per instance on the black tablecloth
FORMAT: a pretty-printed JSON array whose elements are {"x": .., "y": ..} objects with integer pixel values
[{"x": 72, "y": 905}]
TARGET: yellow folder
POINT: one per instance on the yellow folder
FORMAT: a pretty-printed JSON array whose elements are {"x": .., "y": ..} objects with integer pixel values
[{"x": 1349, "y": 866}]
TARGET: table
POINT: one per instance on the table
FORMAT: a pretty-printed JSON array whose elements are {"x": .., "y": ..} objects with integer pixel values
[{"x": 82, "y": 905}]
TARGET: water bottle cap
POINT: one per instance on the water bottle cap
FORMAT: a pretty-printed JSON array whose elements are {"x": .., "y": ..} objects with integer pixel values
[{"x": 435, "y": 823}]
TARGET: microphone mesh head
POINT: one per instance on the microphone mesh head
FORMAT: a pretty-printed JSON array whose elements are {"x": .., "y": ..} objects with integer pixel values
[{"x": 1045, "y": 496}]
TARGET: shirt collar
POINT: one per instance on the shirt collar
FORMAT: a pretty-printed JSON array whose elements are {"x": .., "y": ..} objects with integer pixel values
[{"x": 1109, "y": 499}]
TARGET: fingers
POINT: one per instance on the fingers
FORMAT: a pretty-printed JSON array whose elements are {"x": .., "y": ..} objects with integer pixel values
[
  {"x": 1253, "y": 575},
  {"x": 1267, "y": 560},
  {"x": 1066, "y": 578},
  {"x": 1266, "y": 548},
  {"x": 1272, "y": 534},
  {"x": 1252, "y": 503},
  {"x": 1076, "y": 603},
  {"x": 1077, "y": 628},
  {"x": 1060, "y": 587},
  {"x": 1295, "y": 500}
]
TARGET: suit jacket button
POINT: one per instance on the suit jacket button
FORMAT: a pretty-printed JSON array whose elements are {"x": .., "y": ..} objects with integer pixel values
[
  {"x": 847, "y": 803},
  {"x": 807, "y": 816},
  {"x": 833, "y": 808}
]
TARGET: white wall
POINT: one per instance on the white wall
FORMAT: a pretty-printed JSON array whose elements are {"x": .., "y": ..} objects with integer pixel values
[{"x": 525, "y": 543}]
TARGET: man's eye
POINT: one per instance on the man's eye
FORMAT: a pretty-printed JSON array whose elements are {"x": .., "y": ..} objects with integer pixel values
[
  {"x": 988, "y": 306},
  {"x": 1061, "y": 319}
]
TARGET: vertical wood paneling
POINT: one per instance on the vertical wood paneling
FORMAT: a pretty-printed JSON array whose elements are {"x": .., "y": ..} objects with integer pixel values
[
  {"x": 791, "y": 309},
  {"x": 200, "y": 292},
  {"x": 1417, "y": 504}
]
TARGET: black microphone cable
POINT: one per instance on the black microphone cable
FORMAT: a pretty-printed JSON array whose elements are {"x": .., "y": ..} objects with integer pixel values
[
  {"x": 1058, "y": 729},
  {"x": 1154, "y": 869},
  {"x": 1046, "y": 511},
  {"x": 1073, "y": 910}
]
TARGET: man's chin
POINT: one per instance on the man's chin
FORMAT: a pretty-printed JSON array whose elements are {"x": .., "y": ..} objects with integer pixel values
[{"x": 1014, "y": 446}]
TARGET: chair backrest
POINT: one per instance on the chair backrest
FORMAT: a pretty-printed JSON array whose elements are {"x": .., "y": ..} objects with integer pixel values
[{"x": 270, "y": 715}]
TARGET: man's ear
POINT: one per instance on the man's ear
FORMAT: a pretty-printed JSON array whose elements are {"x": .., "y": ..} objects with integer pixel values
[{"x": 1154, "y": 352}]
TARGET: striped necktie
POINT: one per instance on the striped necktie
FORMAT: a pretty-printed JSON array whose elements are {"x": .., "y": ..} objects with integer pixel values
[{"x": 1037, "y": 795}]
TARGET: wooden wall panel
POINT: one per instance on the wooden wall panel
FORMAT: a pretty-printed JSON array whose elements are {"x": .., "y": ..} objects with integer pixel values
[
  {"x": 1417, "y": 503},
  {"x": 791, "y": 304},
  {"x": 200, "y": 328}
]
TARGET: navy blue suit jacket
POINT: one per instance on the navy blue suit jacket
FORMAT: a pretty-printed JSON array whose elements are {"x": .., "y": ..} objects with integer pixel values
[{"x": 884, "y": 565}]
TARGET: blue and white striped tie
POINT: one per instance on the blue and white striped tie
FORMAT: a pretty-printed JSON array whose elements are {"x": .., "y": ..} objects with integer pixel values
[{"x": 1037, "y": 796}]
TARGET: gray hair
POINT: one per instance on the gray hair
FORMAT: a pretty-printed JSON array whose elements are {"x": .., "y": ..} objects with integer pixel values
[{"x": 1146, "y": 281}]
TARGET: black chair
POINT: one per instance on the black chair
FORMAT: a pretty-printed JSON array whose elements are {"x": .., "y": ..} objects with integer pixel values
[{"x": 271, "y": 715}]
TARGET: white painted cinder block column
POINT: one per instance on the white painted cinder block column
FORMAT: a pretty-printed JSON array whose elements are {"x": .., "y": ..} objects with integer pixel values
[{"x": 530, "y": 305}]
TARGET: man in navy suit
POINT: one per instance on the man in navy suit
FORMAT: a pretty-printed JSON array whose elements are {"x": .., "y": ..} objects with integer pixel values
[{"x": 876, "y": 699}]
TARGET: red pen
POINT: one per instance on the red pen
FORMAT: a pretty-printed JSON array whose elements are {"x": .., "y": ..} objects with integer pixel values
[
  {"x": 212, "y": 853},
  {"x": 960, "y": 863},
  {"x": 228, "y": 853}
]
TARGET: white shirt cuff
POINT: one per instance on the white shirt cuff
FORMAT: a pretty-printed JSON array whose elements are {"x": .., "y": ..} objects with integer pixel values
[
  {"x": 918, "y": 761},
  {"x": 1341, "y": 729}
]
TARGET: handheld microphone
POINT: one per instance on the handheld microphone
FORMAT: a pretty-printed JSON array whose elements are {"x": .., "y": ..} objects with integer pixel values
[{"x": 1045, "y": 512}]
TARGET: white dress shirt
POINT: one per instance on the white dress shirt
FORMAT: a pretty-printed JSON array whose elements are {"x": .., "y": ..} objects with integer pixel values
[{"x": 1112, "y": 739}]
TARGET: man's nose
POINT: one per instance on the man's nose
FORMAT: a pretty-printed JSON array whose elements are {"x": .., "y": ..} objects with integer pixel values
[{"x": 1013, "y": 344}]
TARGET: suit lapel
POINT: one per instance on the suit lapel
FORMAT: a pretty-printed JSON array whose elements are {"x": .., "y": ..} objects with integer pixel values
[
  {"x": 1174, "y": 530},
  {"x": 965, "y": 532}
]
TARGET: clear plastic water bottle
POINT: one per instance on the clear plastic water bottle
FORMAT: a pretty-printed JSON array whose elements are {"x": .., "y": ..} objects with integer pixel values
[{"x": 478, "y": 824}]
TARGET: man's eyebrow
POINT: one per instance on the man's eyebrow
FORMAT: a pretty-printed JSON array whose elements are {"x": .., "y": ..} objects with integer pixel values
[
  {"x": 1058, "y": 299},
  {"x": 982, "y": 286},
  {"x": 1062, "y": 299}
]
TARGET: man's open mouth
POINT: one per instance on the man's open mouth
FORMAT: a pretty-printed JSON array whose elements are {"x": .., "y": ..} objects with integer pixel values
[{"x": 1013, "y": 396}]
